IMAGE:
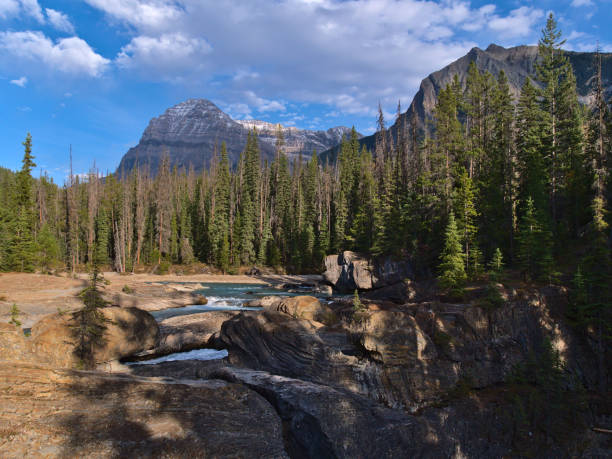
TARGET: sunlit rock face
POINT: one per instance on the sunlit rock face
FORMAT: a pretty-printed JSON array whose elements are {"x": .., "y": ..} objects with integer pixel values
[{"x": 190, "y": 132}]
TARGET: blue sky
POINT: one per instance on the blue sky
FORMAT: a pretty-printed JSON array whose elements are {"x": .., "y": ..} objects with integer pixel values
[{"x": 92, "y": 73}]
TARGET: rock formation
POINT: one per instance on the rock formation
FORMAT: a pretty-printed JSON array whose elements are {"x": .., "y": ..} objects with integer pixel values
[
  {"x": 48, "y": 412},
  {"x": 304, "y": 379},
  {"x": 191, "y": 331},
  {"x": 155, "y": 297},
  {"x": 128, "y": 331},
  {"x": 301, "y": 307},
  {"x": 405, "y": 356},
  {"x": 349, "y": 271}
]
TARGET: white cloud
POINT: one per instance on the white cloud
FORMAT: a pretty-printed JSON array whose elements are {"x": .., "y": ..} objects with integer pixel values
[
  {"x": 148, "y": 14},
  {"x": 519, "y": 23},
  {"x": 167, "y": 55},
  {"x": 579, "y": 3},
  {"x": 348, "y": 54},
  {"x": 9, "y": 8},
  {"x": 31, "y": 8},
  {"x": 59, "y": 20},
  {"x": 264, "y": 105},
  {"x": 21, "y": 82},
  {"x": 68, "y": 55},
  {"x": 238, "y": 111}
]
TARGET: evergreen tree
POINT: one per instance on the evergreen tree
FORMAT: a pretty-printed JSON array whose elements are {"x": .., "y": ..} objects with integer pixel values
[
  {"x": 102, "y": 237},
  {"x": 497, "y": 262},
  {"x": 23, "y": 248},
  {"x": 452, "y": 262},
  {"x": 48, "y": 249},
  {"x": 594, "y": 311},
  {"x": 534, "y": 244},
  {"x": 465, "y": 209},
  {"x": 497, "y": 181},
  {"x": 449, "y": 142},
  {"x": 532, "y": 164}
]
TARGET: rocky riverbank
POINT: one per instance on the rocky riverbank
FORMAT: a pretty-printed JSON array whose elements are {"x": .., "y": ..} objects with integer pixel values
[
  {"x": 307, "y": 379},
  {"x": 37, "y": 295}
]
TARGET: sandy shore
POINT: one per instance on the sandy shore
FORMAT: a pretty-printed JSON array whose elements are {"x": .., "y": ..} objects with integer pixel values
[{"x": 37, "y": 295}]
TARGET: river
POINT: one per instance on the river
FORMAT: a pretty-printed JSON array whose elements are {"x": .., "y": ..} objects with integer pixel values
[{"x": 221, "y": 297}]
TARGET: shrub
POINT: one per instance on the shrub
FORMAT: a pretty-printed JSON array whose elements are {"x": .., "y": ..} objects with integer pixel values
[
  {"x": 15, "y": 316},
  {"x": 358, "y": 306},
  {"x": 163, "y": 267},
  {"x": 492, "y": 298}
]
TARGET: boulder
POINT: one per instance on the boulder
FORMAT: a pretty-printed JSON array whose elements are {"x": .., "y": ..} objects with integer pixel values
[
  {"x": 128, "y": 331},
  {"x": 325, "y": 289},
  {"x": 263, "y": 302},
  {"x": 302, "y": 307},
  {"x": 349, "y": 271}
]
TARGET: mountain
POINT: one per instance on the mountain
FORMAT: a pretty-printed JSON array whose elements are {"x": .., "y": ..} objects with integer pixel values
[
  {"x": 518, "y": 63},
  {"x": 190, "y": 131}
]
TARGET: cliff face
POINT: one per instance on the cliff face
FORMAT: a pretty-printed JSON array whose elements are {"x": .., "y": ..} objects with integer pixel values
[
  {"x": 518, "y": 63},
  {"x": 190, "y": 131}
]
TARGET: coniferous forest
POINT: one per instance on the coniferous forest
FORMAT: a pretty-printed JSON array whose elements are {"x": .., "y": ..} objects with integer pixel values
[{"x": 489, "y": 181}]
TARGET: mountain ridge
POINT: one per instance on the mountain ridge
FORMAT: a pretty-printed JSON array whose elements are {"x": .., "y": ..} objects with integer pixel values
[
  {"x": 517, "y": 62},
  {"x": 190, "y": 131}
]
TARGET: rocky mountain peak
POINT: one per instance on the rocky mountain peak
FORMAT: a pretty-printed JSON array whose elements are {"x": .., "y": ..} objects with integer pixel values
[
  {"x": 518, "y": 63},
  {"x": 189, "y": 133}
]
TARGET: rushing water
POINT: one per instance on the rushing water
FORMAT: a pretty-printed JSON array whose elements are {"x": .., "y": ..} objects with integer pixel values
[
  {"x": 197, "y": 354},
  {"x": 223, "y": 297}
]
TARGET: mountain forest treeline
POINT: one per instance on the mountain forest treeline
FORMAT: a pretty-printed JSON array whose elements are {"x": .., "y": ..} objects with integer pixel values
[{"x": 522, "y": 183}]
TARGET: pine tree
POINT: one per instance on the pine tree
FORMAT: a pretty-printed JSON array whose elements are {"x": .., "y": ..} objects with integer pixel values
[
  {"x": 465, "y": 209},
  {"x": 449, "y": 141},
  {"x": 22, "y": 245},
  {"x": 534, "y": 244},
  {"x": 497, "y": 261},
  {"x": 102, "y": 237},
  {"x": 48, "y": 251},
  {"x": 498, "y": 181},
  {"x": 562, "y": 135},
  {"x": 452, "y": 261},
  {"x": 596, "y": 311},
  {"x": 532, "y": 164}
]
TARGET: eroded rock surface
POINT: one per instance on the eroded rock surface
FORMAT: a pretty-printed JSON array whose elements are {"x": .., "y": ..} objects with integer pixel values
[
  {"x": 192, "y": 331},
  {"x": 321, "y": 421},
  {"x": 301, "y": 307},
  {"x": 405, "y": 357},
  {"x": 128, "y": 332},
  {"x": 156, "y": 297},
  {"x": 61, "y": 413}
]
